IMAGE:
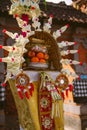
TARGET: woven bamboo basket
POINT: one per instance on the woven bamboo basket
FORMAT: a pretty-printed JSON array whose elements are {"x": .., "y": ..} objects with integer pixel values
[{"x": 44, "y": 38}]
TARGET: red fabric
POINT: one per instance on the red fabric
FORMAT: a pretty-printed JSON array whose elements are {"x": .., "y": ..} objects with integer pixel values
[
  {"x": 45, "y": 106},
  {"x": 70, "y": 87},
  {"x": 27, "y": 95},
  {"x": 20, "y": 94},
  {"x": 67, "y": 92}
]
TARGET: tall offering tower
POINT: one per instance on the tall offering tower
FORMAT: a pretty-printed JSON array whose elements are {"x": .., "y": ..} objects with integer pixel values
[{"x": 37, "y": 71}]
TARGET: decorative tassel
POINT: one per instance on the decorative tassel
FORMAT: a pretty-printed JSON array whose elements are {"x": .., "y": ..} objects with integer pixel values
[
  {"x": 26, "y": 94},
  {"x": 20, "y": 93},
  {"x": 21, "y": 87},
  {"x": 70, "y": 87},
  {"x": 67, "y": 92},
  {"x": 62, "y": 94},
  {"x": 31, "y": 88}
]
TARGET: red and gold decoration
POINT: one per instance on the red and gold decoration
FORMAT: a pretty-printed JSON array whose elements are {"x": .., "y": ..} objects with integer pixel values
[
  {"x": 42, "y": 101},
  {"x": 62, "y": 81},
  {"x": 45, "y": 106},
  {"x": 24, "y": 87},
  {"x": 48, "y": 96}
]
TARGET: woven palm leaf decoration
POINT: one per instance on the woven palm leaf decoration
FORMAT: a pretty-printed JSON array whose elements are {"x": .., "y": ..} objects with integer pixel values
[
  {"x": 44, "y": 53},
  {"x": 15, "y": 57}
]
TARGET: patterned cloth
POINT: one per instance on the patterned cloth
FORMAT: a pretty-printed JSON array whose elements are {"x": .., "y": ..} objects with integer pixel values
[
  {"x": 2, "y": 96},
  {"x": 80, "y": 90}
]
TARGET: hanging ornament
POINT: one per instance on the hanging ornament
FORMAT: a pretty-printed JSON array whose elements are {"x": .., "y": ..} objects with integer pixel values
[
  {"x": 45, "y": 104},
  {"x": 62, "y": 94},
  {"x": 62, "y": 81},
  {"x": 67, "y": 92},
  {"x": 24, "y": 87},
  {"x": 71, "y": 87}
]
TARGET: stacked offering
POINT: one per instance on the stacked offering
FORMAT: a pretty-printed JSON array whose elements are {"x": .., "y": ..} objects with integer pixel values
[{"x": 38, "y": 56}]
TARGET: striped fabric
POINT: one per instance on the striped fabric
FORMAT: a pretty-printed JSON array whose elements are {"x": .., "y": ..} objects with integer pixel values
[
  {"x": 2, "y": 96},
  {"x": 80, "y": 90}
]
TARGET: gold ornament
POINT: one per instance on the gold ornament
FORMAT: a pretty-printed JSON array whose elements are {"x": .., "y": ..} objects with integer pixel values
[
  {"x": 62, "y": 81},
  {"x": 22, "y": 79}
]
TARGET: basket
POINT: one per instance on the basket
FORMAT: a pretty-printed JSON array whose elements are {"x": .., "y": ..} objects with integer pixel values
[{"x": 45, "y": 39}]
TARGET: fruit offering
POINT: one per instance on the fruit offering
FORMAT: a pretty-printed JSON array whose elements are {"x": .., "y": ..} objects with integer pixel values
[{"x": 38, "y": 55}]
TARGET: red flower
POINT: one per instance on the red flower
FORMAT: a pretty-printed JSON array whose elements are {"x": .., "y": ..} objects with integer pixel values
[{"x": 25, "y": 17}]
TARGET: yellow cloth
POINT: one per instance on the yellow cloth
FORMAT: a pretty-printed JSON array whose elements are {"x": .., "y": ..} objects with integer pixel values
[
  {"x": 33, "y": 106},
  {"x": 59, "y": 120},
  {"x": 22, "y": 107},
  {"x": 28, "y": 109}
]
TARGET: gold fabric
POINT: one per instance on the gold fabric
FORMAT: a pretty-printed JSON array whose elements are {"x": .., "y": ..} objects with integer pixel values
[
  {"x": 59, "y": 120},
  {"x": 24, "y": 115},
  {"x": 27, "y": 109},
  {"x": 33, "y": 106}
]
